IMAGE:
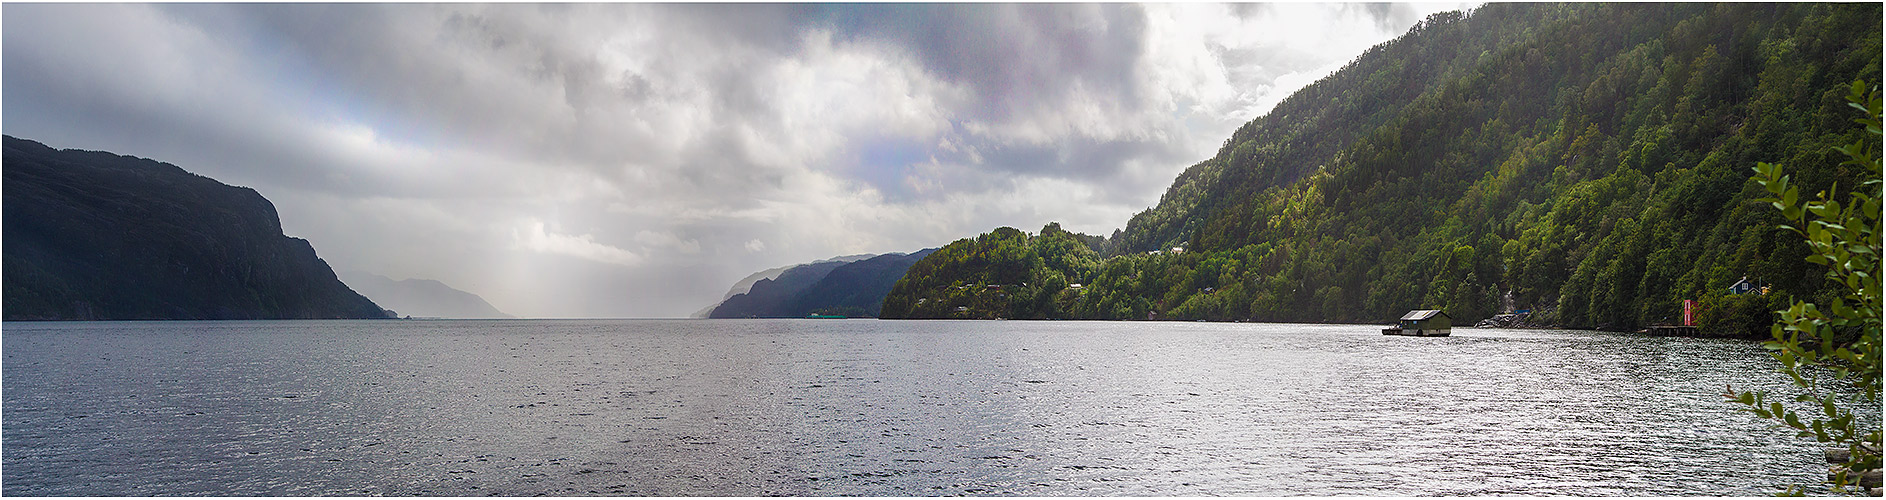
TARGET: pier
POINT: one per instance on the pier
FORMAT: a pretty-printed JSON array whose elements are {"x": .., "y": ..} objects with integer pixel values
[{"x": 1673, "y": 331}]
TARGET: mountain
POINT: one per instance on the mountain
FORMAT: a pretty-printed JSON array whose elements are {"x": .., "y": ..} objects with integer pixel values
[
  {"x": 1589, "y": 162},
  {"x": 856, "y": 289},
  {"x": 97, "y": 236},
  {"x": 773, "y": 298},
  {"x": 422, "y": 298},
  {"x": 742, "y": 286},
  {"x": 746, "y": 284},
  {"x": 851, "y": 285}
]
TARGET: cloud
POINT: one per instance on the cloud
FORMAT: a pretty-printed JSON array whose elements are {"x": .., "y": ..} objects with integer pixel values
[
  {"x": 676, "y": 147},
  {"x": 655, "y": 239},
  {"x": 535, "y": 238}
]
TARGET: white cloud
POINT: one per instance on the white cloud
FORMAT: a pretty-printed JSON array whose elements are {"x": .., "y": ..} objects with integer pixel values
[
  {"x": 755, "y": 246},
  {"x": 536, "y": 238},
  {"x": 653, "y": 239}
]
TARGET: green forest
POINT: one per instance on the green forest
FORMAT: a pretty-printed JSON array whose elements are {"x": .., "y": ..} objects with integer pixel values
[{"x": 1588, "y": 162}]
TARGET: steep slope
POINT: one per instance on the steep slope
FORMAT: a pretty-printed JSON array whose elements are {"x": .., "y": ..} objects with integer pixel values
[
  {"x": 774, "y": 298},
  {"x": 746, "y": 284},
  {"x": 856, "y": 289},
  {"x": 97, "y": 236},
  {"x": 1304, "y": 131},
  {"x": 851, "y": 286},
  {"x": 422, "y": 298},
  {"x": 743, "y": 286},
  {"x": 1587, "y": 161}
]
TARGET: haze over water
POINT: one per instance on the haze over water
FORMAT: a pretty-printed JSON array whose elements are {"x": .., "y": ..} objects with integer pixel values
[{"x": 859, "y": 407}]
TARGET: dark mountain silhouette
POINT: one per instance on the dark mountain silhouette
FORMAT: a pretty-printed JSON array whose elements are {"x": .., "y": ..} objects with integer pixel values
[
  {"x": 97, "y": 236},
  {"x": 854, "y": 288},
  {"x": 858, "y": 288},
  {"x": 772, "y": 298},
  {"x": 746, "y": 284}
]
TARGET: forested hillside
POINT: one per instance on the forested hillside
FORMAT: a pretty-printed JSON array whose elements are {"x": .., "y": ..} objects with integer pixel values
[
  {"x": 1588, "y": 161},
  {"x": 1001, "y": 274}
]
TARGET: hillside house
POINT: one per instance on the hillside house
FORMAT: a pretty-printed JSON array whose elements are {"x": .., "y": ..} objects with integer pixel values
[{"x": 1741, "y": 286}]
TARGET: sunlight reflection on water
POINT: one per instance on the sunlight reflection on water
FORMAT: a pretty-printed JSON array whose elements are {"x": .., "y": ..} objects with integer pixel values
[{"x": 861, "y": 407}]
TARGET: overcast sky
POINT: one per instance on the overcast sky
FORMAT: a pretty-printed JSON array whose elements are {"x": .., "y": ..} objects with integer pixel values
[{"x": 634, "y": 160}]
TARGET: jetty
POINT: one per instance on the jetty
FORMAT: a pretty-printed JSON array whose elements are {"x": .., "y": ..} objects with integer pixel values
[
  {"x": 1422, "y": 323},
  {"x": 1688, "y": 328},
  {"x": 1673, "y": 331}
]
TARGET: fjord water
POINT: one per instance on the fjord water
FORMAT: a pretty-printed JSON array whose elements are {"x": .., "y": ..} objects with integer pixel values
[{"x": 825, "y": 407}]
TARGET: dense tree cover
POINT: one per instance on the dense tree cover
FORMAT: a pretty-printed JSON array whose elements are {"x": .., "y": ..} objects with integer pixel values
[
  {"x": 1587, "y": 161},
  {"x": 1005, "y": 273},
  {"x": 1831, "y": 350},
  {"x": 92, "y": 235}
]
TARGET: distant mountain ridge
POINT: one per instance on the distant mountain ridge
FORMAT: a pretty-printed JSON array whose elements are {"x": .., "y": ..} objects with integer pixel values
[
  {"x": 854, "y": 287},
  {"x": 746, "y": 284},
  {"x": 422, "y": 298},
  {"x": 92, "y": 235}
]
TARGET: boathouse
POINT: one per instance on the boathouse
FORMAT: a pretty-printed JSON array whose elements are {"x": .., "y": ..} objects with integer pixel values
[{"x": 1423, "y": 323}]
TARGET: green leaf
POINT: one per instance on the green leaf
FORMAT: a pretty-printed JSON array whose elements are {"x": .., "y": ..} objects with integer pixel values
[{"x": 1840, "y": 309}]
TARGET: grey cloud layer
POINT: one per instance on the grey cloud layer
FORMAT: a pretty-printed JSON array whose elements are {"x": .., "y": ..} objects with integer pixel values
[{"x": 642, "y": 156}]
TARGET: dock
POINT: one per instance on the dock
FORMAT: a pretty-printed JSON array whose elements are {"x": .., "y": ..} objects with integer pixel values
[{"x": 1672, "y": 331}]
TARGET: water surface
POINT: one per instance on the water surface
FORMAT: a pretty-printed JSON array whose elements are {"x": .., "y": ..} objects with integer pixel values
[{"x": 864, "y": 407}]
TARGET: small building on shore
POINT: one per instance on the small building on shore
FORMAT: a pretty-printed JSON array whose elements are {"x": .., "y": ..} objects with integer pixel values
[{"x": 1422, "y": 323}]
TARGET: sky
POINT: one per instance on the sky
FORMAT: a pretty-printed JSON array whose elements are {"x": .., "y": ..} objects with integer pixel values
[{"x": 635, "y": 160}]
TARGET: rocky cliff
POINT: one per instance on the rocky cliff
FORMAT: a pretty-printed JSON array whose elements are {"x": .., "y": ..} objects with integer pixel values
[{"x": 97, "y": 236}]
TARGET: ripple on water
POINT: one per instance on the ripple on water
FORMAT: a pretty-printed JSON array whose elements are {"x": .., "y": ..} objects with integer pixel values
[{"x": 787, "y": 407}]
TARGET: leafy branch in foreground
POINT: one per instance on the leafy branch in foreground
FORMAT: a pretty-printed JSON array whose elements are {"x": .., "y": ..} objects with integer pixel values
[{"x": 1832, "y": 350}]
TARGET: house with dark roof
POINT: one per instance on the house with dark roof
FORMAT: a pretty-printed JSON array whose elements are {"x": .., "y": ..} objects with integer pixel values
[{"x": 1422, "y": 323}]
